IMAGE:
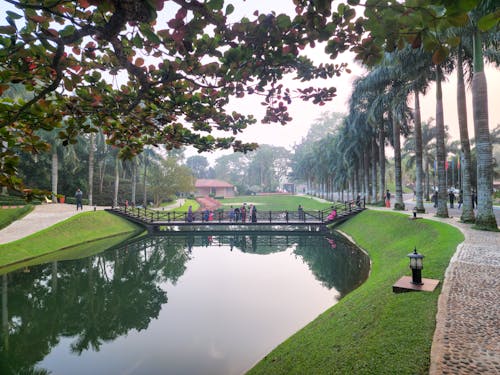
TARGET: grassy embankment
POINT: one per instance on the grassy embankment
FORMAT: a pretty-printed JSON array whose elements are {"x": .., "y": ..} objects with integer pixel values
[
  {"x": 372, "y": 330},
  {"x": 9, "y": 215},
  {"x": 81, "y": 235}
]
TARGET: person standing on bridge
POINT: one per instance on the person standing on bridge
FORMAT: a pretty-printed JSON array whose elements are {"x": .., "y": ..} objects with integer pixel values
[
  {"x": 190, "y": 214},
  {"x": 301, "y": 213},
  {"x": 254, "y": 214},
  {"x": 244, "y": 213}
]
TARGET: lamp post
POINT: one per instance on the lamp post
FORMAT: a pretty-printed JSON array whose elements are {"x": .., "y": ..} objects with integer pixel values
[{"x": 416, "y": 266}]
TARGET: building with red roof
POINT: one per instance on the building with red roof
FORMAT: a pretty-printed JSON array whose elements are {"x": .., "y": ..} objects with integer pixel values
[{"x": 217, "y": 188}]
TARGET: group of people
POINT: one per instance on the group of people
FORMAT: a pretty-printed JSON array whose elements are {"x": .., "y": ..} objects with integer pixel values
[
  {"x": 242, "y": 213},
  {"x": 237, "y": 214},
  {"x": 452, "y": 197}
]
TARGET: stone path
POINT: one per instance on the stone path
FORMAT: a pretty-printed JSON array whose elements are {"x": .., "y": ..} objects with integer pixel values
[
  {"x": 467, "y": 336},
  {"x": 42, "y": 216}
]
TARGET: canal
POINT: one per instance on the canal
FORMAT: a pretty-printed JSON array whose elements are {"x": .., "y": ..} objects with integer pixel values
[{"x": 176, "y": 304}]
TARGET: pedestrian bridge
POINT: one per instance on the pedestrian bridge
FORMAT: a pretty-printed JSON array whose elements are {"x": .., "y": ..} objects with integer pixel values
[{"x": 167, "y": 221}]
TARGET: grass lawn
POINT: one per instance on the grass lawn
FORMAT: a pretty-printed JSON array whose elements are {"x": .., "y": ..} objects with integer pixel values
[
  {"x": 276, "y": 202},
  {"x": 9, "y": 215},
  {"x": 80, "y": 230},
  {"x": 372, "y": 330}
]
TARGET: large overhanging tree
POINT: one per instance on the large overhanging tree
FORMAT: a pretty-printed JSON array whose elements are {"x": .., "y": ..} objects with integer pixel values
[{"x": 156, "y": 71}]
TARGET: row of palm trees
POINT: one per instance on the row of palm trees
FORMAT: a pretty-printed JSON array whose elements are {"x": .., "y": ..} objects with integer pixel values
[{"x": 353, "y": 155}]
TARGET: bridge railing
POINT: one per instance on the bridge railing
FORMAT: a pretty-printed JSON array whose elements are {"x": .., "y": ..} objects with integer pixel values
[
  {"x": 220, "y": 216},
  {"x": 261, "y": 216}
]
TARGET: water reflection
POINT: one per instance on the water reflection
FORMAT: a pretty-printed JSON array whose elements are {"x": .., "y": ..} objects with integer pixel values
[{"x": 118, "y": 299}]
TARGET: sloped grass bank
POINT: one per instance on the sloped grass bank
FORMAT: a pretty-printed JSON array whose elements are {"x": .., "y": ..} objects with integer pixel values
[
  {"x": 372, "y": 330},
  {"x": 9, "y": 215},
  {"x": 81, "y": 230}
]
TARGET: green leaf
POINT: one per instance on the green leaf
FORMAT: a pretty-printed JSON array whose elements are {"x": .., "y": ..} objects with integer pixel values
[
  {"x": 216, "y": 4},
  {"x": 67, "y": 31},
  {"x": 459, "y": 19},
  {"x": 489, "y": 21},
  {"x": 283, "y": 21},
  {"x": 13, "y": 15},
  {"x": 229, "y": 9}
]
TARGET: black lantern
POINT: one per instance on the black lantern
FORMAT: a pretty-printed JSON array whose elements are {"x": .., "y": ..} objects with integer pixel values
[{"x": 416, "y": 265}]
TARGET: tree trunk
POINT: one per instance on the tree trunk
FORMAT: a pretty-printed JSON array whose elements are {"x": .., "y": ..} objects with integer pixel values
[
  {"x": 374, "y": 171},
  {"x": 442, "y": 208},
  {"x": 145, "y": 196},
  {"x": 399, "y": 203},
  {"x": 381, "y": 153},
  {"x": 466, "y": 167},
  {"x": 134, "y": 181},
  {"x": 366, "y": 162},
  {"x": 55, "y": 167},
  {"x": 418, "y": 157},
  {"x": 91, "y": 169},
  {"x": 117, "y": 181},
  {"x": 485, "y": 218}
]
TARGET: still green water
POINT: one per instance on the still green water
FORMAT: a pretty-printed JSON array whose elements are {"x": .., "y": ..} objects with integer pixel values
[{"x": 175, "y": 304}]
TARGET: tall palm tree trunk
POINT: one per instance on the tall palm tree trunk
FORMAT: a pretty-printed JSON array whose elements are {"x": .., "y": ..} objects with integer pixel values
[
  {"x": 54, "y": 176},
  {"x": 467, "y": 210},
  {"x": 442, "y": 208},
  {"x": 374, "y": 171},
  {"x": 134, "y": 181},
  {"x": 117, "y": 181},
  {"x": 381, "y": 156},
  {"x": 418, "y": 156},
  {"x": 366, "y": 162},
  {"x": 485, "y": 218},
  {"x": 91, "y": 168},
  {"x": 399, "y": 203}
]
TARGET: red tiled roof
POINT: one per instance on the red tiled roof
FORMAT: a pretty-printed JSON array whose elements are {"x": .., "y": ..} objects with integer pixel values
[{"x": 201, "y": 183}]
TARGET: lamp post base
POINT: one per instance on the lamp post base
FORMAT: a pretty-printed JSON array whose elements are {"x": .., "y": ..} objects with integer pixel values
[{"x": 405, "y": 284}]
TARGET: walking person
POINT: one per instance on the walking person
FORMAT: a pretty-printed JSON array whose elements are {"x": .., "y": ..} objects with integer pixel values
[
  {"x": 460, "y": 199},
  {"x": 388, "y": 199},
  {"x": 79, "y": 197},
  {"x": 435, "y": 198},
  {"x": 451, "y": 196}
]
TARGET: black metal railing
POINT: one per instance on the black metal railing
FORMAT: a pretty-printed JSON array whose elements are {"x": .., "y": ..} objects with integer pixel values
[{"x": 229, "y": 217}]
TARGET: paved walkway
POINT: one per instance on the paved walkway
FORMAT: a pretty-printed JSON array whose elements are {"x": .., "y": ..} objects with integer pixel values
[
  {"x": 43, "y": 216},
  {"x": 467, "y": 336}
]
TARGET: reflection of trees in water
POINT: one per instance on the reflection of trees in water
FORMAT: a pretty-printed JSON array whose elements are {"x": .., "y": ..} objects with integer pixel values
[
  {"x": 94, "y": 300},
  {"x": 335, "y": 262},
  {"x": 97, "y": 299}
]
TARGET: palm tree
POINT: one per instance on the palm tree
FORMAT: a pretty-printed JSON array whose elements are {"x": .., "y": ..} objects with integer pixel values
[
  {"x": 442, "y": 208},
  {"x": 485, "y": 218}
]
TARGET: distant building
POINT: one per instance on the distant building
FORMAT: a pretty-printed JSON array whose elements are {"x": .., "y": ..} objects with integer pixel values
[{"x": 217, "y": 188}]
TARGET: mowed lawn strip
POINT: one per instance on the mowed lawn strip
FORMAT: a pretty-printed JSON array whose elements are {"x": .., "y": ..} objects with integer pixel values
[
  {"x": 79, "y": 229},
  {"x": 9, "y": 215},
  {"x": 276, "y": 202},
  {"x": 373, "y": 330}
]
